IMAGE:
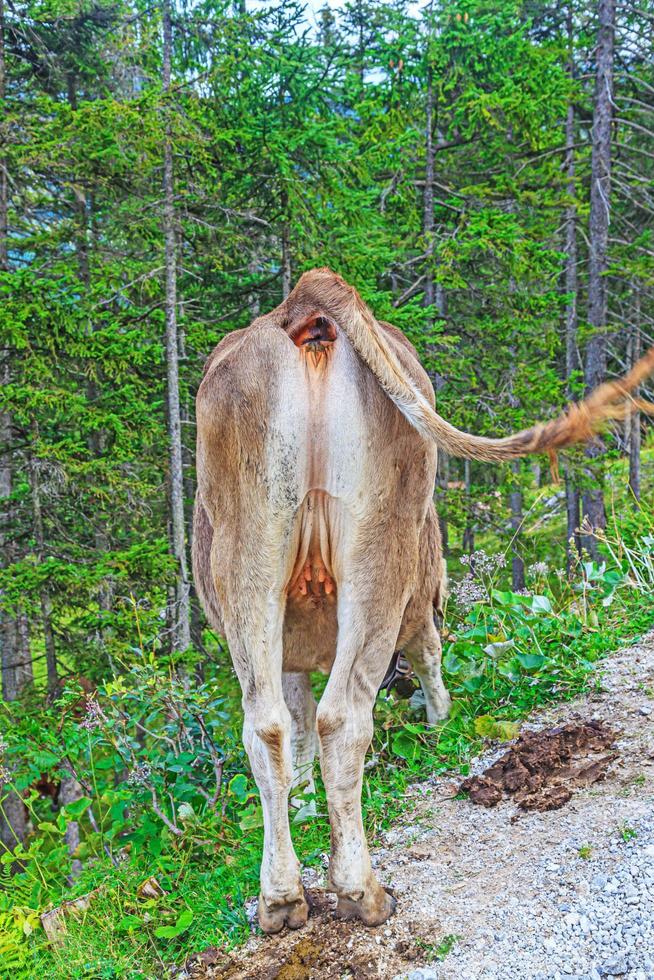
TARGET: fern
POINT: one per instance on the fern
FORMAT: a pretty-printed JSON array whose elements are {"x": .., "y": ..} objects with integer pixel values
[{"x": 17, "y": 923}]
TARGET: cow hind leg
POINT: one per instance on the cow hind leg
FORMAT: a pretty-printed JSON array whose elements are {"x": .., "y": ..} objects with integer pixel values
[
  {"x": 302, "y": 707},
  {"x": 345, "y": 727},
  {"x": 267, "y": 730},
  {"x": 423, "y": 652}
]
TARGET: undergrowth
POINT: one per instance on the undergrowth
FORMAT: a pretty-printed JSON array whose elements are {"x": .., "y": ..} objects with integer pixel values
[{"x": 169, "y": 817}]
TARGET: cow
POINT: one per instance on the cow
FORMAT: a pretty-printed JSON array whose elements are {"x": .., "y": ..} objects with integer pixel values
[{"x": 316, "y": 547}]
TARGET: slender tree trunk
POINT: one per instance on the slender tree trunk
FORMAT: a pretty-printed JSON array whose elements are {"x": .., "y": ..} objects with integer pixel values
[
  {"x": 70, "y": 791},
  {"x": 287, "y": 269},
  {"x": 442, "y": 480},
  {"x": 15, "y": 661},
  {"x": 468, "y": 543},
  {"x": 634, "y": 422},
  {"x": 196, "y": 619},
  {"x": 46, "y": 605},
  {"x": 97, "y": 439},
  {"x": 181, "y": 618},
  {"x": 359, "y": 64},
  {"x": 598, "y": 233},
  {"x": 572, "y": 362},
  {"x": 15, "y": 664},
  {"x": 428, "y": 223},
  {"x": 515, "y": 502},
  {"x": 254, "y": 301},
  {"x": 434, "y": 292}
]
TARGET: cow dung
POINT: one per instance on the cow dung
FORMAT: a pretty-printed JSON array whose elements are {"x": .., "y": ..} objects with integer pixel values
[{"x": 542, "y": 769}]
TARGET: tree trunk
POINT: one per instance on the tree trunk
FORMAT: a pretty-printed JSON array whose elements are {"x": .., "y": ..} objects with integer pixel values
[
  {"x": 468, "y": 543},
  {"x": 70, "y": 791},
  {"x": 254, "y": 300},
  {"x": 287, "y": 269},
  {"x": 572, "y": 362},
  {"x": 39, "y": 541},
  {"x": 515, "y": 501},
  {"x": 598, "y": 233},
  {"x": 428, "y": 193},
  {"x": 442, "y": 480},
  {"x": 181, "y": 617},
  {"x": 434, "y": 292},
  {"x": 97, "y": 439},
  {"x": 634, "y": 422},
  {"x": 15, "y": 662}
]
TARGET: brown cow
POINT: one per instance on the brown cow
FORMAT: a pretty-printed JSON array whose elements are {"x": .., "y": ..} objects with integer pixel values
[{"x": 316, "y": 547}]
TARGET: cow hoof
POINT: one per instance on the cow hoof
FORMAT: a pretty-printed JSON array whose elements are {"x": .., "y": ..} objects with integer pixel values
[
  {"x": 273, "y": 918},
  {"x": 373, "y": 909}
]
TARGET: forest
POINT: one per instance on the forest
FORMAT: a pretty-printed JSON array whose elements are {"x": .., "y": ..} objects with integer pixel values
[{"x": 482, "y": 173}]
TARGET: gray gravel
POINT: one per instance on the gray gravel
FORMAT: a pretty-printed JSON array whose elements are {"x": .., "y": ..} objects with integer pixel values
[
  {"x": 525, "y": 903},
  {"x": 601, "y": 924}
]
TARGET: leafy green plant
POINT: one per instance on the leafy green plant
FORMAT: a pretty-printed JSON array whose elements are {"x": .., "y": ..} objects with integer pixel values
[
  {"x": 437, "y": 952},
  {"x": 627, "y": 832}
]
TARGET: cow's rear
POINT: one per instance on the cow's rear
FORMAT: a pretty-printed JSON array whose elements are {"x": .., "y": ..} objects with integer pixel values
[
  {"x": 317, "y": 547},
  {"x": 313, "y": 503}
]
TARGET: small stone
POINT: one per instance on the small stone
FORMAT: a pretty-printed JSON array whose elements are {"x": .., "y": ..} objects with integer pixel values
[
  {"x": 645, "y": 710},
  {"x": 616, "y": 966}
]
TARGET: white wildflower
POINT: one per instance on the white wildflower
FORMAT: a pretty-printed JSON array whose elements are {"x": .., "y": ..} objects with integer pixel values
[
  {"x": 481, "y": 563},
  {"x": 93, "y": 716},
  {"x": 467, "y": 592},
  {"x": 140, "y": 775}
]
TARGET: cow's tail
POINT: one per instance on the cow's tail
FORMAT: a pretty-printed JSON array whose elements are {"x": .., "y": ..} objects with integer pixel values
[{"x": 579, "y": 423}]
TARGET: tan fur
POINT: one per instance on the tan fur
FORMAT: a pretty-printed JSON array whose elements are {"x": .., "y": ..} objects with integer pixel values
[{"x": 316, "y": 547}]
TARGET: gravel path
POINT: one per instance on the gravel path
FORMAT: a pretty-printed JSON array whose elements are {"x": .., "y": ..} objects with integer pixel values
[{"x": 537, "y": 896}]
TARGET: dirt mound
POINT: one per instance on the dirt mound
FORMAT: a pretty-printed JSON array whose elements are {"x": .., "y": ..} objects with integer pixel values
[
  {"x": 542, "y": 769},
  {"x": 325, "y": 949}
]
